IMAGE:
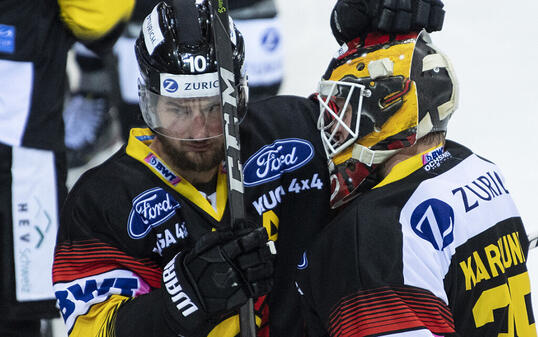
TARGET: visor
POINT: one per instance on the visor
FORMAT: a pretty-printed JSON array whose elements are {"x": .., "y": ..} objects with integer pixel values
[{"x": 182, "y": 117}]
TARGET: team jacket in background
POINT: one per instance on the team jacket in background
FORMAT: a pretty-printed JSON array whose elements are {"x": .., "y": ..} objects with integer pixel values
[
  {"x": 34, "y": 42},
  {"x": 436, "y": 249},
  {"x": 125, "y": 219},
  {"x": 34, "y": 39}
]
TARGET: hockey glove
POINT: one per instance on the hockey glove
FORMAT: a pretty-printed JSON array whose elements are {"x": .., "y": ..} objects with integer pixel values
[
  {"x": 220, "y": 273},
  {"x": 356, "y": 18}
]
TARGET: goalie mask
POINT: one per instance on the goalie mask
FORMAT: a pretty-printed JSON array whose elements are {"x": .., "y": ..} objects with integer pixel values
[
  {"x": 377, "y": 97},
  {"x": 179, "y": 84}
]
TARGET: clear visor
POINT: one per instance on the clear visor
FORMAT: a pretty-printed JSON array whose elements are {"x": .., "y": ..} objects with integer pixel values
[
  {"x": 340, "y": 107},
  {"x": 197, "y": 118}
]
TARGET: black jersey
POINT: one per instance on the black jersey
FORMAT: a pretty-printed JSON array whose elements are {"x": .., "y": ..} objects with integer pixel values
[
  {"x": 33, "y": 54},
  {"x": 125, "y": 219},
  {"x": 436, "y": 249},
  {"x": 286, "y": 190},
  {"x": 35, "y": 37}
]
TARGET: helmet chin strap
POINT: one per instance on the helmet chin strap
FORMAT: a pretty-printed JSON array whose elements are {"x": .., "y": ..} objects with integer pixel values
[{"x": 371, "y": 157}]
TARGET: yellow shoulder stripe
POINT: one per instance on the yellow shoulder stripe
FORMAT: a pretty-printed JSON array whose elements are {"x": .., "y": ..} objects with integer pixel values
[
  {"x": 404, "y": 168},
  {"x": 98, "y": 321},
  {"x": 93, "y": 19}
]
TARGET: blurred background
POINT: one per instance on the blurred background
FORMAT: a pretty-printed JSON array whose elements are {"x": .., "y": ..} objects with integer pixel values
[{"x": 492, "y": 45}]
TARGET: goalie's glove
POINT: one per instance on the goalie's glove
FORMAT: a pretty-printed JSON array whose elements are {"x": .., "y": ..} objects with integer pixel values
[
  {"x": 356, "y": 18},
  {"x": 220, "y": 273}
]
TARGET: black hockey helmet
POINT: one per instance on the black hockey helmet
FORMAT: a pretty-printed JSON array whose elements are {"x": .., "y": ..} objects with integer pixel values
[{"x": 177, "y": 60}]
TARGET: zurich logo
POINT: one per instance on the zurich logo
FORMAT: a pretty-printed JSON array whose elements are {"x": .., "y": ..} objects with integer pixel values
[
  {"x": 150, "y": 209},
  {"x": 304, "y": 262},
  {"x": 170, "y": 85},
  {"x": 284, "y": 155},
  {"x": 271, "y": 39},
  {"x": 433, "y": 221}
]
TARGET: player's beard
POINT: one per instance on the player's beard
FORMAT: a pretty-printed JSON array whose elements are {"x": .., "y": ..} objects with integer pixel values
[{"x": 193, "y": 160}]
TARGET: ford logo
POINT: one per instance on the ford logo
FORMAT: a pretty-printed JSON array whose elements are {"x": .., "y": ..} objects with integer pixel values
[
  {"x": 150, "y": 209},
  {"x": 284, "y": 155}
]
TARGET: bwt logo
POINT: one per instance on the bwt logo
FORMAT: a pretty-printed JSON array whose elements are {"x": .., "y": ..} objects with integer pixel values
[
  {"x": 67, "y": 299},
  {"x": 158, "y": 165},
  {"x": 433, "y": 221},
  {"x": 150, "y": 209},
  {"x": 271, "y": 161},
  {"x": 170, "y": 85},
  {"x": 271, "y": 39}
]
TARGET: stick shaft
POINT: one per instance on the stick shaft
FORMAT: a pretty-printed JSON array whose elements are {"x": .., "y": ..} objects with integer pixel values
[{"x": 221, "y": 34}]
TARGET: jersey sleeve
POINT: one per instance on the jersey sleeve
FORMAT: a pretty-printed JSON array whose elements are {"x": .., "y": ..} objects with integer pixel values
[
  {"x": 93, "y": 19},
  {"x": 93, "y": 280},
  {"x": 95, "y": 275},
  {"x": 108, "y": 284},
  {"x": 352, "y": 285}
]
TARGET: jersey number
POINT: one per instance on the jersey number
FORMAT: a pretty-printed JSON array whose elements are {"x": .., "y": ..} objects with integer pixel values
[
  {"x": 196, "y": 63},
  {"x": 511, "y": 294}
]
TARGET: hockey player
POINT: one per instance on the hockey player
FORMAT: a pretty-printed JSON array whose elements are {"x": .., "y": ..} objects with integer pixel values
[
  {"x": 145, "y": 246},
  {"x": 428, "y": 241},
  {"x": 35, "y": 37},
  {"x": 106, "y": 94}
]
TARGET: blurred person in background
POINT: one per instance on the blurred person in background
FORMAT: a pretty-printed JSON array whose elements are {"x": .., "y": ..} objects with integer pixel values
[
  {"x": 259, "y": 22},
  {"x": 35, "y": 37},
  {"x": 103, "y": 105}
]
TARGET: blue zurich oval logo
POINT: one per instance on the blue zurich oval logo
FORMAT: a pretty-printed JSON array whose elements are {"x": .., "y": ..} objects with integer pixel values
[
  {"x": 170, "y": 85},
  {"x": 433, "y": 221},
  {"x": 271, "y": 39},
  {"x": 284, "y": 155},
  {"x": 150, "y": 209}
]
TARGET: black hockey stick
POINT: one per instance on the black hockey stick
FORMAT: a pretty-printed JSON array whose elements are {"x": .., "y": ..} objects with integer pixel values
[{"x": 220, "y": 24}]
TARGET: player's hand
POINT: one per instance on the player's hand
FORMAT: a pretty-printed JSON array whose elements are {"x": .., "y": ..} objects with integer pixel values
[
  {"x": 356, "y": 18},
  {"x": 220, "y": 273}
]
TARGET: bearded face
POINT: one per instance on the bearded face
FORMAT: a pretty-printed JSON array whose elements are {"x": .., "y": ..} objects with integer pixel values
[{"x": 193, "y": 155}]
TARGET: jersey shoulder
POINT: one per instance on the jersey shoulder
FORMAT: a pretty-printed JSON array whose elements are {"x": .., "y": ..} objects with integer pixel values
[
  {"x": 104, "y": 195},
  {"x": 284, "y": 111}
]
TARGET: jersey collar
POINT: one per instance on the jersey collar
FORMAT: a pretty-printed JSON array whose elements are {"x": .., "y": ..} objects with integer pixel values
[
  {"x": 410, "y": 165},
  {"x": 138, "y": 148}
]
